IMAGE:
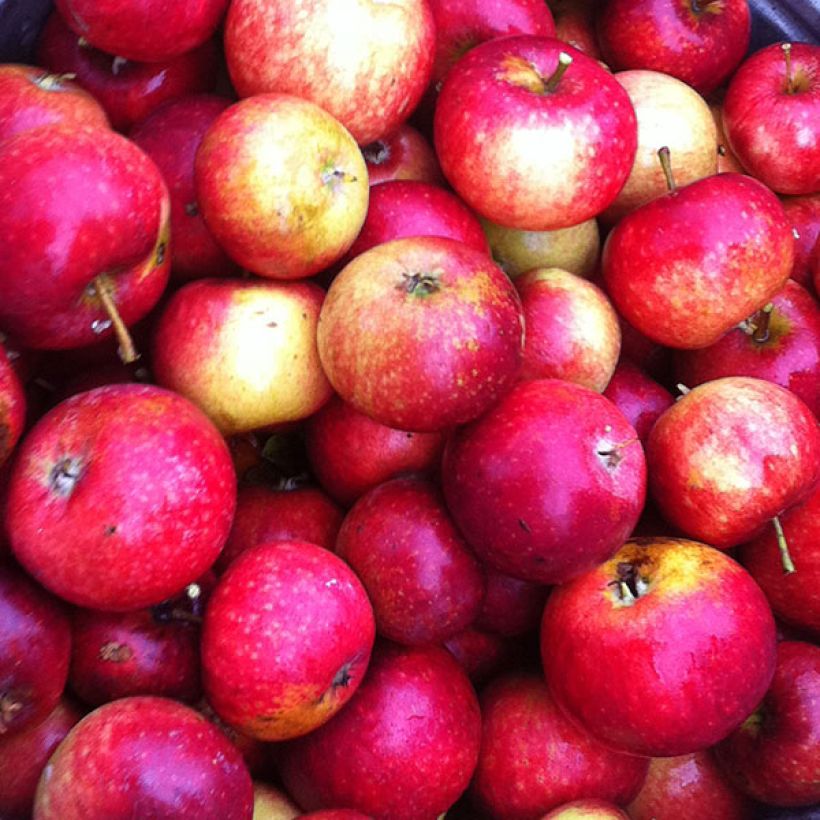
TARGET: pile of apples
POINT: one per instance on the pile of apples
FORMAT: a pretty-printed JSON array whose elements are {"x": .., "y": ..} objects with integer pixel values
[{"x": 409, "y": 410}]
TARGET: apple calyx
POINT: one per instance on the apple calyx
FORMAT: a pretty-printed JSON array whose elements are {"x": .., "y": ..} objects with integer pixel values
[
  {"x": 192, "y": 209},
  {"x": 629, "y": 585},
  {"x": 666, "y": 165},
  {"x": 103, "y": 289},
  {"x": 331, "y": 175},
  {"x": 52, "y": 82},
  {"x": 420, "y": 284},
  {"x": 518, "y": 71},
  {"x": 64, "y": 476},
  {"x": 9, "y": 707},
  {"x": 115, "y": 652},
  {"x": 612, "y": 454},
  {"x": 783, "y": 546}
]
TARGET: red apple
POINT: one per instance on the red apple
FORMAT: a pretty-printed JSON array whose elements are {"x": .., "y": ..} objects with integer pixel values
[
  {"x": 587, "y": 809},
  {"x": 533, "y": 758},
  {"x": 12, "y": 405},
  {"x": 482, "y": 655},
  {"x": 421, "y": 333},
  {"x": 286, "y": 640},
  {"x": 546, "y": 484},
  {"x": 510, "y": 606},
  {"x": 147, "y": 30},
  {"x": 366, "y": 63},
  {"x": 533, "y": 134},
  {"x": 171, "y": 135},
  {"x": 127, "y": 90},
  {"x": 779, "y": 343},
  {"x": 335, "y": 814},
  {"x": 120, "y": 497},
  {"x": 148, "y": 753},
  {"x": 405, "y": 746},
  {"x": 282, "y": 185},
  {"x": 700, "y": 41},
  {"x": 726, "y": 160},
  {"x": 771, "y": 113},
  {"x": 804, "y": 214},
  {"x": 402, "y": 154},
  {"x": 35, "y": 647},
  {"x": 775, "y": 755},
  {"x": 731, "y": 455},
  {"x": 639, "y": 398},
  {"x": 663, "y": 650},
  {"x": 689, "y": 265}
]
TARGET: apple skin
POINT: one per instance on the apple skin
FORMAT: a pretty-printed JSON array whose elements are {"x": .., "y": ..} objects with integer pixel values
[
  {"x": 282, "y": 185},
  {"x": 699, "y": 43},
  {"x": 106, "y": 212},
  {"x": 23, "y": 757},
  {"x": 794, "y": 597},
  {"x": 775, "y": 755},
  {"x": 415, "y": 721},
  {"x": 482, "y": 655},
  {"x": 127, "y": 90},
  {"x": 587, "y": 809},
  {"x": 572, "y": 330},
  {"x": 12, "y": 405},
  {"x": 726, "y": 160},
  {"x": 691, "y": 264},
  {"x": 575, "y": 25},
  {"x": 639, "y": 398},
  {"x": 267, "y": 514},
  {"x": 421, "y": 577},
  {"x": 789, "y": 355},
  {"x": 767, "y": 125},
  {"x": 286, "y": 639},
  {"x": 35, "y": 648},
  {"x": 32, "y": 98},
  {"x": 804, "y": 214},
  {"x": 510, "y": 606},
  {"x": 149, "y": 752},
  {"x": 394, "y": 304},
  {"x": 729, "y": 456},
  {"x": 371, "y": 84},
  {"x": 557, "y": 157},
  {"x": 144, "y": 30},
  {"x": 402, "y": 154},
  {"x": 690, "y": 785},
  {"x": 546, "y": 484},
  {"x": 242, "y": 350},
  {"x": 670, "y": 113},
  {"x": 671, "y": 670},
  {"x": 171, "y": 135},
  {"x": 534, "y": 758},
  {"x": 120, "y": 497},
  {"x": 335, "y": 814},
  {"x": 270, "y": 803}
]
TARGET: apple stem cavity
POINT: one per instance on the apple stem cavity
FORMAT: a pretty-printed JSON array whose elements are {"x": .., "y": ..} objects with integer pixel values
[
  {"x": 127, "y": 351},
  {"x": 787, "y": 56},
  {"x": 9, "y": 707},
  {"x": 420, "y": 284},
  {"x": 629, "y": 584},
  {"x": 760, "y": 323},
  {"x": 612, "y": 455},
  {"x": 666, "y": 165},
  {"x": 375, "y": 153},
  {"x": 783, "y": 546},
  {"x": 564, "y": 62},
  {"x": 64, "y": 476}
]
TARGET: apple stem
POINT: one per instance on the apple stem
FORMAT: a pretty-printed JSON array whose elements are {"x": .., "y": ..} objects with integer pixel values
[
  {"x": 683, "y": 389},
  {"x": 127, "y": 351},
  {"x": 760, "y": 323},
  {"x": 783, "y": 546},
  {"x": 787, "y": 56},
  {"x": 666, "y": 165},
  {"x": 564, "y": 62},
  {"x": 420, "y": 284}
]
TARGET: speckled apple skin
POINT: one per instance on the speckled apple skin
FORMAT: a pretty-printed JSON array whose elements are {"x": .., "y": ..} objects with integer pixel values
[
  {"x": 729, "y": 456},
  {"x": 701, "y": 46},
  {"x": 673, "y": 672},
  {"x": 149, "y": 511},
  {"x": 775, "y": 755},
  {"x": 534, "y": 758},
  {"x": 12, "y": 405},
  {"x": 414, "y": 358},
  {"x": 422, "y": 578},
  {"x": 640, "y": 398},
  {"x": 527, "y": 487},
  {"x": 405, "y": 746},
  {"x": 148, "y": 755},
  {"x": 804, "y": 214},
  {"x": 77, "y": 202},
  {"x": 533, "y": 159},
  {"x": 767, "y": 127},
  {"x": 286, "y": 639},
  {"x": 693, "y": 263},
  {"x": 366, "y": 62}
]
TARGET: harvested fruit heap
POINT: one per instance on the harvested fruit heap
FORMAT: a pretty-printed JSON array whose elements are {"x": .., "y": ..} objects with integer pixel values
[{"x": 408, "y": 410}]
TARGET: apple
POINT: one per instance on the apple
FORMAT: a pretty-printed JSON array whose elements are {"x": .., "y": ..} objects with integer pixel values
[
  {"x": 421, "y": 333},
  {"x": 146, "y": 752},
  {"x": 482, "y": 655},
  {"x": 804, "y": 214},
  {"x": 700, "y": 41},
  {"x": 402, "y": 154},
  {"x": 771, "y": 114},
  {"x": 335, "y": 814},
  {"x": 146, "y": 30},
  {"x": 533, "y": 134},
  {"x": 510, "y": 606},
  {"x": 534, "y": 758},
  {"x": 127, "y": 90},
  {"x": 270, "y": 803},
  {"x": 405, "y": 747},
  {"x": 775, "y": 755},
  {"x": 281, "y": 184},
  {"x": 669, "y": 113},
  {"x": 693, "y": 263},
  {"x": 366, "y": 63},
  {"x": 730, "y": 456},
  {"x": 12, "y": 405},
  {"x": 661, "y": 651},
  {"x": 575, "y": 25},
  {"x": 547, "y": 483},
  {"x": 726, "y": 159},
  {"x": 255, "y": 753},
  {"x": 286, "y": 639},
  {"x": 587, "y": 809},
  {"x": 35, "y": 647},
  {"x": 243, "y": 350},
  {"x": 640, "y": 398},
  {"x": 572, "y": 330},
  {"x": 120, "y": 497},
  {"x": 421, "y": 577}
]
